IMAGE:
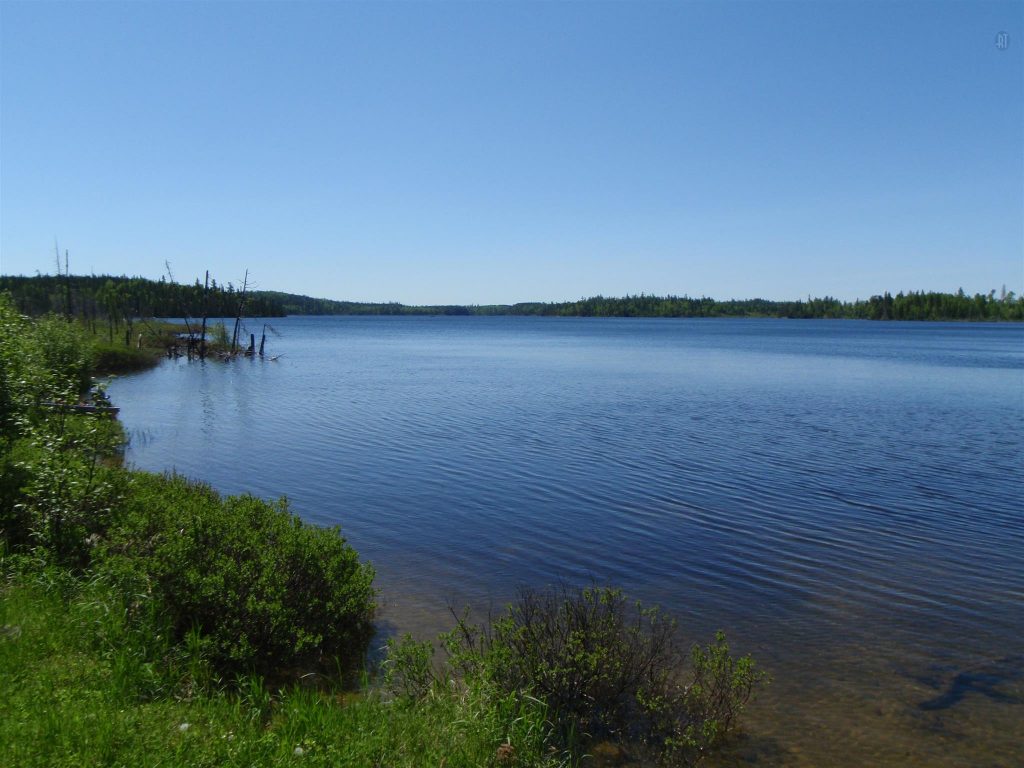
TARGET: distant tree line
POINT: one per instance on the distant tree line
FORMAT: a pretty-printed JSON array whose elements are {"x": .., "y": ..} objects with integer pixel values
[
  {"x": 902, "y": 306},
  {"x": 107, "y": 297},
  {"x": 92, "y": 297},
  {"x": 295, "y": 304}
]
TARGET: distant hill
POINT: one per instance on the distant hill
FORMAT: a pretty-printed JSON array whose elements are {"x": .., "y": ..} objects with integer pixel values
[
  {"x": 107, "y": 296},
  {"x": 295, "y": 304}
]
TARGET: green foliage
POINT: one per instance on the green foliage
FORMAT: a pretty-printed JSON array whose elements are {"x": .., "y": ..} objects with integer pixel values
[
  {"x": 43, "y": 361},
  {"x": 720, "y": 686},
  {"x": 54, "y": 493},
  {"x": 16, "y": 461},
  {"x": 241, "y": 584},
  {"x": 408, "y": 668},
  {"x": 264, "y": 591},
  {"x": 63, "y": 358},
  {"x": 219, "y": 337},
  {"x": 117, "y": 298},
  {"x": 601, "y": 666},
  {"x": 590, "y": 654},
  {"x": 82, "y": 685},
  {"x": 909, "y": 306},
  {"x": 68, "y": 495},
  {"x": 116, "y": 358}
]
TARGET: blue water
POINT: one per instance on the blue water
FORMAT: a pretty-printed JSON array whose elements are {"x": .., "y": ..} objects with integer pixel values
[{"x": 844, "y": 498}]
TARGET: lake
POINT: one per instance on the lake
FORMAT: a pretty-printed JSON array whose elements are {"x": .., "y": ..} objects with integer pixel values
[{"x": 844, "y": 498}]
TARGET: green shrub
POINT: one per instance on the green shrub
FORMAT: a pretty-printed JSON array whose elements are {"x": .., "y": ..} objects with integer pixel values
[
  {"x": 262, "y": 591},
  {"x": 16, "y": 380},
  {"x": 720, "y": 685},
  {"x": 54, "y": 492},
  {"x": 8, "y": 407},
  {"x": 65, "y": 357},
  {"x": 68, "y": 491},
  {"x": 15, "y": 459},
  {"x": 606, "y": 668},
  {"x": 42, "y": 360},
  {"x": 408, "y": 667}
]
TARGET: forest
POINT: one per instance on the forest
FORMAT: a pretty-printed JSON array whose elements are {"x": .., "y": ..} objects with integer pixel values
[
  {"x": 105, "y": 296},
  {"x": 903, "y": 306},
  {"x": 118, "y": 298}
]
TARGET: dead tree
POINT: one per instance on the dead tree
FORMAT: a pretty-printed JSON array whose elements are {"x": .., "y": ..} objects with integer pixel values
[{"x": 238, "y": 316}]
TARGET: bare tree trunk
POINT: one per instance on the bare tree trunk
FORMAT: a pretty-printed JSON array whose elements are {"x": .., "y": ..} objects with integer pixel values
[
  {"x": 67, "y": 285},
  {"x": 238, "y": 316}
]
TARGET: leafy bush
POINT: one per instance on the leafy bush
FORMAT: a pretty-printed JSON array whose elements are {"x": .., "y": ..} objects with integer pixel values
[
  {"x": 48, "y": 359},
  {"x": 408, "y": 668},
  {"x": 719, "y": 687},
  {"x": 54, "y": 492},
  {"x": 604, "y": 667},
  {"x": 261, "y": 590},
  {"x": 67, "y": 500},
  {"x": 15, "y": 380},
  {"x": 15, "y": 460},
  {"x": 8, "y": 407},
  {"x": 64, "y": 358}
]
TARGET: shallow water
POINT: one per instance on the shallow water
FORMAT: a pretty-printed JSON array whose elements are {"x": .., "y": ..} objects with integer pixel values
[{"x": 844, "y": 498}]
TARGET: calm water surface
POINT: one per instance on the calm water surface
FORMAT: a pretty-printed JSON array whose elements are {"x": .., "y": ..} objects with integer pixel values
[{"x": 844, "y": 498}]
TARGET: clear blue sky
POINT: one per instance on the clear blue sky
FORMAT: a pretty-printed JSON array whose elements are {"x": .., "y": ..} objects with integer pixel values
[{"x": 501, "y": 152}]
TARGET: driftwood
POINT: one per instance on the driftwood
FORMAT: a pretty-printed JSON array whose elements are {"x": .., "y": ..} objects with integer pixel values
[{"x": 99, "y": 410}]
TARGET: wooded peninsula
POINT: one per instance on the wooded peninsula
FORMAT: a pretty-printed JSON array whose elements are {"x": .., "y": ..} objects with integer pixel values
[{"x": 105, "y": 297}]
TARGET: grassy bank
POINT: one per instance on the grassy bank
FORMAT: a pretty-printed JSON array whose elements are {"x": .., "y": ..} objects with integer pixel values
[
  {"x": 77, "y": 691},
  {"x": 147, "y": 620}
]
